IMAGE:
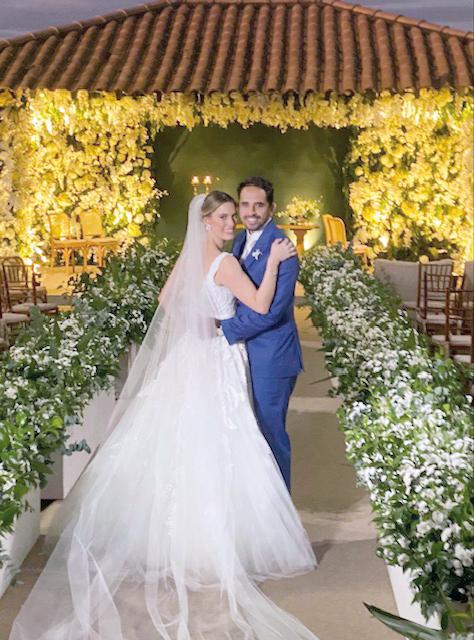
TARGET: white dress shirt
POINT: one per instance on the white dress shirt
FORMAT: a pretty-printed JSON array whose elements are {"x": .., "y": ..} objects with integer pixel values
[{"x": 252, "y": 237}]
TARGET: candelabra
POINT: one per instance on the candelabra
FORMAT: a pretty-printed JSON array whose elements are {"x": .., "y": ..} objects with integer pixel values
[{"x": 205, "y": 181}]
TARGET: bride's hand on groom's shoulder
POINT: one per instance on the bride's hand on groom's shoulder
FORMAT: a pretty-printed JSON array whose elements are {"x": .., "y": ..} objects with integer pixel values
[{"x": 282, "y": 249}]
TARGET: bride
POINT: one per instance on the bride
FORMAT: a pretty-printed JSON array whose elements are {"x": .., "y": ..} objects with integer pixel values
[{"x": 183, "y": 508}]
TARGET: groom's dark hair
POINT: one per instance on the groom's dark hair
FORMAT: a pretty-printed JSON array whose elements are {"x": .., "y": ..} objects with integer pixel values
[{"x": 261, "y": 183}]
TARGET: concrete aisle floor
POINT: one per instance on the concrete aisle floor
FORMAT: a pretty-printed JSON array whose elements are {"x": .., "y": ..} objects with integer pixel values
[{"x": 335, "y": 513}]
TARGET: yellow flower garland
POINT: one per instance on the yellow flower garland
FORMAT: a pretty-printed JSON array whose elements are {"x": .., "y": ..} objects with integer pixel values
[{"x": 410, "y": 164}]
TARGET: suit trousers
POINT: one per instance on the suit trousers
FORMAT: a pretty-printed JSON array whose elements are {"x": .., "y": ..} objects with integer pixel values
[{"x": 271, "y": 397}]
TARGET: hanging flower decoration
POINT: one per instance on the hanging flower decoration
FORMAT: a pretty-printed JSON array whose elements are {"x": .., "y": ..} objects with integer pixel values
[{"x": 409, "y": 169}]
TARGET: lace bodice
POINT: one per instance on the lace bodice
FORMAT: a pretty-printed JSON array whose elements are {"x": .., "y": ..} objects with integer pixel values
[{"x": 222, "y": 300}]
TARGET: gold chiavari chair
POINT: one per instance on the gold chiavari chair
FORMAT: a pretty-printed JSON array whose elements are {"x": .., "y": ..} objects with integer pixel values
[
  {"x": 62, "y": 240},
  {"x": 335, "y": 230},
  {"x": 93, "y": 234}
]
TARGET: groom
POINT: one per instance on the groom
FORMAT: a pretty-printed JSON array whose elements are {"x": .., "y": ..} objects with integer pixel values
[{"x": 272, "y": 339}]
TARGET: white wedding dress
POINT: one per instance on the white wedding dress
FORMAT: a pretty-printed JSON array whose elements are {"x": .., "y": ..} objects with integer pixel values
[{"x": 179, "y": 514}]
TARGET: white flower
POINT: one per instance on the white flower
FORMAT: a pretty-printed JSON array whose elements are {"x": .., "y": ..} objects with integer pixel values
[
  {"x": 465, "y": 556},
  {"x": 256, "y": 254},
  {"x": 424, "y": 375},
  {"x": 438, "y": 518}
]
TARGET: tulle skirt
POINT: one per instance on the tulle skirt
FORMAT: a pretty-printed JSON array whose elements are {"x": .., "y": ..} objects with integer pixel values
[{"x": 177, "y": 517}]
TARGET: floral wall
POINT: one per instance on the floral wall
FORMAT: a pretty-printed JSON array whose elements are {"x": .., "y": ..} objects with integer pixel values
[
  {"x": 64, "y": 154},
  {"x": 409, "y": 167}
]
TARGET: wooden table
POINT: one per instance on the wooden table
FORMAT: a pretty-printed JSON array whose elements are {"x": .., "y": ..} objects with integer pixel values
[{"x": 300, "y": 230}]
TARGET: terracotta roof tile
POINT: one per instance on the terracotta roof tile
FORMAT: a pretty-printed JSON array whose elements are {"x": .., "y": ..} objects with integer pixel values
[
  {"x": 243, "y": 38},
  {"x": 385, "y": 58},
  {"x": 441, "y": 66},
  {"x": 366, "y": 54},
  {"x": 98, "y": 53},
  {"x": 349, "y": 57},
  {"x": 275, "y": 62},
  {"x": 460, "y": 64},
  {"x": 202, "y": 46},
  {"x": 154, "y": 52},
  {"x": 312, "y": 36},
  {"x": 421, "y": 58},
  {"x": 405, "y": 69},
  {"x": 330, "y": 51},
  {"x": 224, "y": 49},
  {"x": 257, "y": 64},
  {"x": 201, "y": 70},
  {"x": 291, "y": 79}
]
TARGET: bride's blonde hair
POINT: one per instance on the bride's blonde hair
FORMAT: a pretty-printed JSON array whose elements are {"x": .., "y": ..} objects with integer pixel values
[{"x": 213, "y": 201}]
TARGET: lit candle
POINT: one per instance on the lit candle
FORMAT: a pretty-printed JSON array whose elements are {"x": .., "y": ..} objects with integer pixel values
[{"x": 195, "y": 183}]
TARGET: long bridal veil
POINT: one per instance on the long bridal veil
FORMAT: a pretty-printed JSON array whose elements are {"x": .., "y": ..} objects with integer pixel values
[{"x": 153, "y": 539}]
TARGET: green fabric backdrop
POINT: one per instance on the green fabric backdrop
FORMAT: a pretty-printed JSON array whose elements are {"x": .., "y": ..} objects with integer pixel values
[{"x": 304, "y": 163}]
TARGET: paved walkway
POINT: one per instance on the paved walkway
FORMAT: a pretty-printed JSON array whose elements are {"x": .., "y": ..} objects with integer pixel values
[{"x": 335, "y": 512}]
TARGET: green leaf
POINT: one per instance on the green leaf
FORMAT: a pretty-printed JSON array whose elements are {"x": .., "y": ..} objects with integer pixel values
[
  {"x": 7, "y": 516},
  {"x": 56, "y": 422},
  {"x": 444, "y": 620},
  {"x": 20, "y": 490},
  {"x": 20, "y": 418},
  {"x": 404, "y": 627},
  {"x": 40, "y": 467}
]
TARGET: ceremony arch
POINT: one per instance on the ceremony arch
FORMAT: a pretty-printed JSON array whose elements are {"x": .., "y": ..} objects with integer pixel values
[{"x": 80, "y": 105}]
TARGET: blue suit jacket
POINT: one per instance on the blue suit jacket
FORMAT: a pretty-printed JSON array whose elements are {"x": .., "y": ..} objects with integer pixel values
[{"x": 271, "y": 339}]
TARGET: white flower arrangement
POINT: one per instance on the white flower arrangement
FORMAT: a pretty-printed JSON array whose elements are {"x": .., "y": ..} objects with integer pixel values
[
  {"x": 58, "y": 364},
  {"x": 407, "y": 424},
  {"x": 300, "y": 210}
]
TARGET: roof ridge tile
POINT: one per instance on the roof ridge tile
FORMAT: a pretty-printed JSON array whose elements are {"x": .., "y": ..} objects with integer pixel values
[{"x": 122, "y": 14}]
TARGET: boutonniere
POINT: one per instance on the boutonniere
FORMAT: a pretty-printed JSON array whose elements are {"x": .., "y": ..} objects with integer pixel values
[{"x": 256, "y": 254}]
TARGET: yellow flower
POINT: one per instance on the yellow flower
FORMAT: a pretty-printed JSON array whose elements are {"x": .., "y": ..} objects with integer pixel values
[{"x": 134, "y": 230}]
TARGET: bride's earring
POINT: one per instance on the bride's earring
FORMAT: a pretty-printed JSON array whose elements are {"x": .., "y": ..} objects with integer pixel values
[{"x": 207, "y": 227}]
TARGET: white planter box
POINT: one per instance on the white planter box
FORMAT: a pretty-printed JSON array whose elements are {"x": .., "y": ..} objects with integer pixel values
[
  {"x": 19, "y": 543},
  {"x": 403, "y": 593},
  {"x": 67, "y": 469}
]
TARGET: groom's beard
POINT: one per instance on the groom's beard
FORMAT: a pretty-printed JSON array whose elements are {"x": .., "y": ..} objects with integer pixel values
[{"x": 254, "y": 222}]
